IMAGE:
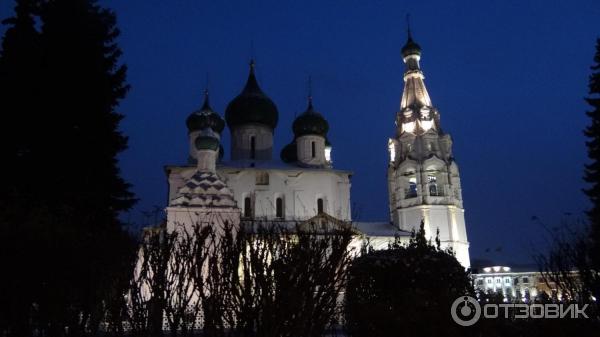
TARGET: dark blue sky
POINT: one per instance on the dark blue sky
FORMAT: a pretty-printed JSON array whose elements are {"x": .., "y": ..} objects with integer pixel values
[{"x": 508, "y": 79}]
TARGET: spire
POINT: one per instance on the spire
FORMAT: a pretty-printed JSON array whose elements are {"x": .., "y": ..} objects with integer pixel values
[
  {"x": 206, "y": 105},
  {"x": 410, "y": 47},
  {"x": 408, "y": 27},
  {"x": 310, "y": 97},
  {"x": 252, "y": 84},
  {"x": 415, "y": 93}
]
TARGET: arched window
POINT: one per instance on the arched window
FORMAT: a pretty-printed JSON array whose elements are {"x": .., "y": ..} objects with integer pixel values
[
  {"x": 411, "y": 192},
  {"x": 252, "y": 147},
  {"x": 433, "y": 188},
  {"x": 247, "y": 207},
  {"x": 320, "y": 206},
  {"x": 279, "y": 207},
  {"x": 313, "y": 149}
]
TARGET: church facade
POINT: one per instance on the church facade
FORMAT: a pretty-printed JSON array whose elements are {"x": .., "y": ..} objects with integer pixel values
[
  {"x": 297, "y": 186},
  {"x": 255, "y": 185}
]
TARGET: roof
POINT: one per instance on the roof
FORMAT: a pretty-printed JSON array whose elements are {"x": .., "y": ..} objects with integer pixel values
[
  {"x": 380, "y": 229},
  {"x": 479, "y": 266},
  {"x": 204, "y": 189},
  {"x": 262, "y": 165}
]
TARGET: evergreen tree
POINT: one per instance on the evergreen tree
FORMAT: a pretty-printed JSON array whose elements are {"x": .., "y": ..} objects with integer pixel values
[
  {"x": 20, "y": 61},
  {"x": 61, "y": 83},
  {"x": 406, "y": 290},
  {"x": 592, "y": 170}
]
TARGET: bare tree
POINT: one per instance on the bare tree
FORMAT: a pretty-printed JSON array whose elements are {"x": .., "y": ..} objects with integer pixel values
[
  {"x": 147, "y": 294},
  {"x": 291, "y": 277},
  {"x": 256, "y": 279},
  {"x": 567, "y": 265}
]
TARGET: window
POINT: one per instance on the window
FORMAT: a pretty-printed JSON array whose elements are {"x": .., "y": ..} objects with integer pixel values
[
  {"x": 516, "y": 280},
  {"x": 313, "y": 149},
  {"x": 498, "y": 280},
  {"x": 507, "y": 280},
  {"x": 262, "y": 178},
  {"x": 252, "y": 147},
  {"x": 320, "y": 206},
  {"x": 433, "y": 188},
  {"x": 247, "y": 207},
  {"x": 279, "y": 207},
  {"x": 489, "y": 281},
  {"x": 392, "y": 149},
  {"x": 411, "y": 192},
  {"x": 525, "y": 279},
  {"x": 479, "y": 282}
]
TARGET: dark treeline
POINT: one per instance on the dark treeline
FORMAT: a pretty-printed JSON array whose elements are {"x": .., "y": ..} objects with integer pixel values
[
  {"x": 60, "y": 192},
  {"x": 592, "y": 173},
  {"x": 576, "y": 246}
]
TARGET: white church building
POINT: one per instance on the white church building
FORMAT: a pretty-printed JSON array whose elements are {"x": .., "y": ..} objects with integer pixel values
[{"x": 301, "y": 182}]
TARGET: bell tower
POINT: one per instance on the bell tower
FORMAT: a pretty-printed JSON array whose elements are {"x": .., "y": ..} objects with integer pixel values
[{"x": 423, "y": 177}]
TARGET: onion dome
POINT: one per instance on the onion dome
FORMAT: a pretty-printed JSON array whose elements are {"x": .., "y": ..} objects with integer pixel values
[
  {"x": 205, "y": 118},
  {"x": 207, "y": 140},
  {"x": 289, "y": 153},
  {"x": 310, "y": 122},
  {"x": 252, "y": 105},
  {"x": 411, "y": 47}
]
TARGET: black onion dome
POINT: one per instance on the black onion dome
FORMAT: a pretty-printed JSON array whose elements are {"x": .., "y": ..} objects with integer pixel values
[
  {"x": 411, "y": 47},
  {"x": 205, "y": 118},
  {"x": 310, "y": 122},
  {"x": 289, "y": 154},
  {"x": 252, "y": 106}
]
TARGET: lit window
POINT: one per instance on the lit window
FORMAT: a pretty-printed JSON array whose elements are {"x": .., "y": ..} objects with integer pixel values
[
  {"x": 408, "y": 127},
  {"x": 328, "y": 153},
  {"x": 433, "y": 188},
  {"x": 392, "y": 149},
  {"x": 426, "y": 124},
  {"x": 411, "y": 192}
]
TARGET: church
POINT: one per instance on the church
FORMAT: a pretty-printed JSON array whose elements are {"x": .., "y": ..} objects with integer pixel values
[{"x": 301, "y": 182}]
